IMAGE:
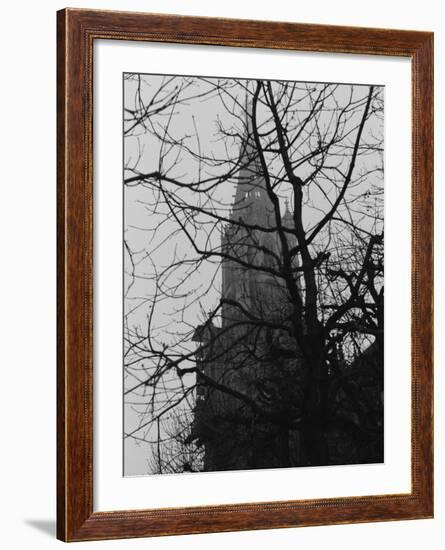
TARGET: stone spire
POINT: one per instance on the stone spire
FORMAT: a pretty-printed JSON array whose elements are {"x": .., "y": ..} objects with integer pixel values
[
  {"x": 251, "y": 201},
  {"x": 287, "y": 217}
]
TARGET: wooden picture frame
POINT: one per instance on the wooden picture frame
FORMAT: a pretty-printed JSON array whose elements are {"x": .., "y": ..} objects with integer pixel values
[{"x": 77, "y": 31}]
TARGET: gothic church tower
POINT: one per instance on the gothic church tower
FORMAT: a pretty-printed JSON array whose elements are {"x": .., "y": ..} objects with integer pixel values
[{"x": 238, "y": 354}]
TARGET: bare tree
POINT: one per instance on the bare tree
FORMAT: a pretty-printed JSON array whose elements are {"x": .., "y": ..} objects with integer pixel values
[{"x": 254, "y": 291}]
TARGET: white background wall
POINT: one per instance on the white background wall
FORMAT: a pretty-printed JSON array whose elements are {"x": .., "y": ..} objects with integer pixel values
[{"x": 28, "y": 282}]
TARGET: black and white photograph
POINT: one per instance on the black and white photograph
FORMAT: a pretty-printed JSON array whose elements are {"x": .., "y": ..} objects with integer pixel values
[
  {"x": 223, "y": 277},
  {"x": 253, "y": 274}
]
